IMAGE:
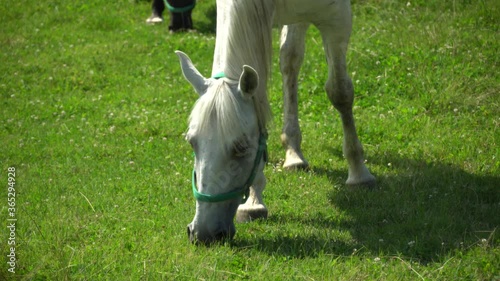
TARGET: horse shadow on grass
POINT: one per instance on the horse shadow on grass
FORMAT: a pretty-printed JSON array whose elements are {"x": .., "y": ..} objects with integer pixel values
[{"x": 421, "y": 210}]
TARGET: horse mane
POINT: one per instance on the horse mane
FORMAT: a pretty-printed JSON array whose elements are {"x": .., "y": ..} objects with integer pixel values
[{"x": 244, "y": 37}]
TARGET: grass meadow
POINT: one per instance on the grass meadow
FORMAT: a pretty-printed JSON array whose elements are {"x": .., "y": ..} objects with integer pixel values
[{"x": 93, "y": 112}]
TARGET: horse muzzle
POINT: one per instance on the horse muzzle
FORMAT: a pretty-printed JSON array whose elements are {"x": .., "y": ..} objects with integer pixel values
[{"x": 206, "y": 237}]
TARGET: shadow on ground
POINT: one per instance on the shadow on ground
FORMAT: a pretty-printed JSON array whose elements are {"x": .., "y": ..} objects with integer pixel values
[{"x": 422, "y": 211}]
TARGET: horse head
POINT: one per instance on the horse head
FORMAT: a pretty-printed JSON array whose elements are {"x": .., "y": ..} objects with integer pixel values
[{"x": 229, "y": 148}]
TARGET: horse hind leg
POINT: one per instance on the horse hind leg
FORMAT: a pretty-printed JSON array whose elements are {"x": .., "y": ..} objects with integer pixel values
[
  {"x": 340, "y": 91},
  {"x": 292, "y": 47}
]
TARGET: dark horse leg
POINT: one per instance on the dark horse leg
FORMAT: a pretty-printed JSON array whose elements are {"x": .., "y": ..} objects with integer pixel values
[
  {"x": 180, "y": 14},
  {"x": 157, "y": 8}
]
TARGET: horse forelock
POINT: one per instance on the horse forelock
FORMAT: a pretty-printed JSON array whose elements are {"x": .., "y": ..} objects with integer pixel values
[{"x": 218, "y": 115}]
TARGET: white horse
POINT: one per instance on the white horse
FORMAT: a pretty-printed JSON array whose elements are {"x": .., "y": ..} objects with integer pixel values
[{"x": 227, "y": 127}]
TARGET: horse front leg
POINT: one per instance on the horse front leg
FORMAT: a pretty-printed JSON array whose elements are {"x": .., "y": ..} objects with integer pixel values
[
  {"x": 254, "y": 208},
  {"x": 292, "y": 47}
]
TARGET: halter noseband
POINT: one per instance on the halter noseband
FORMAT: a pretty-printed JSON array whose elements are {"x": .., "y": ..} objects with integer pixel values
[{"x": 243, "y": 191}]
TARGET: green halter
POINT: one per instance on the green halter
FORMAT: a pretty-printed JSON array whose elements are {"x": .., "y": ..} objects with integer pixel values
[
  {"x": 219, "y": 75},
  {"x": 179, "y": 10},
  {"x": 243, "y": 191}
]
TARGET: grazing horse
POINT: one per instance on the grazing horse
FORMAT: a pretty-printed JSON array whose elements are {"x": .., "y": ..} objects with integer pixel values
[{"x": 227, "y": 127}]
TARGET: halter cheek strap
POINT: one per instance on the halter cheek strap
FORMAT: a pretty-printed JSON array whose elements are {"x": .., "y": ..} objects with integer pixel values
[{"x": 243, "y": 191}]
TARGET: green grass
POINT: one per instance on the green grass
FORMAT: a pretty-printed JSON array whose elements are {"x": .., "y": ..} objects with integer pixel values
[{"x": 93, "y": 111}]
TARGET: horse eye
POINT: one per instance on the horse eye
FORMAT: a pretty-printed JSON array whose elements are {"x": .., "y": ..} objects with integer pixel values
[
  {"x": 192, "y": 142},
  {"x": 240, "y": 148}
]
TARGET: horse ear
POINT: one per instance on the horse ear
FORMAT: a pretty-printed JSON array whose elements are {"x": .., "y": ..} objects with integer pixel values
[
  {"x": 249, "y": 80},
  {"x": 191, "y": 74}
]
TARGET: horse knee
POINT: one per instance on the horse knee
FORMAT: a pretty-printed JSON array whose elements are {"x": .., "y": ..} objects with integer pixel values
[{"x": 340, "y": 93}]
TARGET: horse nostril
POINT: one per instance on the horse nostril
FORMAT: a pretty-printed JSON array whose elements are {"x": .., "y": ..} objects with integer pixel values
[
  {"x": 198, "y": 237},
  {"x": 224, "y": 234},
  {"x": 221, "y": 235}
]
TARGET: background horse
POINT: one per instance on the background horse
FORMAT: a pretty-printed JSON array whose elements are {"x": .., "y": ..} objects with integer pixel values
[{"x": 227, "y": 127}]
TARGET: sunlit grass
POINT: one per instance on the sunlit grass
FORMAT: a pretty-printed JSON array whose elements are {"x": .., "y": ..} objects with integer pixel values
[{"x": 94, "y": 109}]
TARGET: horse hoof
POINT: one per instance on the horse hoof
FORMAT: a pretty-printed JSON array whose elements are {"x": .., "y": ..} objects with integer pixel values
[
  {"x": 367, "y": 181},
  {"x": 153, "y": 19},
  {"x": 247, "y": 214},
  {"x": 296, "y": 164}
]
